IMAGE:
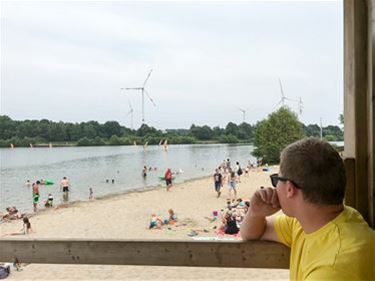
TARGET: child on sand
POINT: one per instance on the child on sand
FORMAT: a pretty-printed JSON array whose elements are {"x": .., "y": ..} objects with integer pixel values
[
  {"x": 49, "y": 201},
  {"x": 26, "y": 229},
  {"x": 155, "y": 222},
  {"x": 172, "y": 217}
]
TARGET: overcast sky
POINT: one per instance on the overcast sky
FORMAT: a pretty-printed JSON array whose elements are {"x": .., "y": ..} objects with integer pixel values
[{"x": 68, "y": 60}]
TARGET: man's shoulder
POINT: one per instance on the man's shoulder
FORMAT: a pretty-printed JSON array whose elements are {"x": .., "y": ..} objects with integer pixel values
[{"x": 354, "y": 229}]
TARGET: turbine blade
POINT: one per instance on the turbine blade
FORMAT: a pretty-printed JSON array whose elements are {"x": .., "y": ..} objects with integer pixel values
[
  {"x": 149, "y": 97},
  {"x": 148, "y": 76},
  {"x": 138, "y": 88},
  {"x": 290, "y": 99},
  {"x": 281, "y": 88}
]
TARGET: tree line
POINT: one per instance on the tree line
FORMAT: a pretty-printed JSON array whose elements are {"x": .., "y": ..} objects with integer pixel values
[{"x": 91, "y": 133}]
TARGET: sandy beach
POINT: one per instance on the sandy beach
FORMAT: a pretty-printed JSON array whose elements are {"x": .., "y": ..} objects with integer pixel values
[{"x": 127, "y": 216}]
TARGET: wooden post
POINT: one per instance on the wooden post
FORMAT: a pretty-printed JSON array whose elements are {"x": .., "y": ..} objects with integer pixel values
[
  {"x": 371, "y": 112},
  {"x": 350, "y": 182},
  {"x": 356, "y": 97}
]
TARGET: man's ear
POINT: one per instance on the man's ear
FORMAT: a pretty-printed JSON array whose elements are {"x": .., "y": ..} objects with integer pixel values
[{"x": 291, "y": 189}]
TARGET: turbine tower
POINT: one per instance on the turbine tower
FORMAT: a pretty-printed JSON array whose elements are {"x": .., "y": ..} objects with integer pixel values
[
  {"x": 243, "y": 113},
  {"x": 300, "y": 105},
  {"x": 131, "y": 115},
  {"x": 143, "y": 91}
]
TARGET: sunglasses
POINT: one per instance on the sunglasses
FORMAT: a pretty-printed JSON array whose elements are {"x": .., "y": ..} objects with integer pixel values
[{"x": 275, "y": 179}]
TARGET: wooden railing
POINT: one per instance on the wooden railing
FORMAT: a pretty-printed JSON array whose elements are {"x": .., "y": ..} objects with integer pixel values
[{"x": 253, "y": 254}]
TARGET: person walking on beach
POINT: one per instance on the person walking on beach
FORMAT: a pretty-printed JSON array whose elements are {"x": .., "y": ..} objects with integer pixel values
[
  {"x": 218, "y": 182},
  {"x": 228, "y": 166},
  {"x": 168, "y": 178},
  {"x": 238, "y": 171},
  {"x": 91, "y": 194},
  {"x": 328, "y": 240},
  {"x": 36, "y": 195},
  {"x": 64, "y": 186},
  {"x": 232, "y": 185}
]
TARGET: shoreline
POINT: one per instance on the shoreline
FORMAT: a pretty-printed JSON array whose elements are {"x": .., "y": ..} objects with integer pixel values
[
  {"x": 110, "y": 196},
  {"x": 127, "y": 216}
]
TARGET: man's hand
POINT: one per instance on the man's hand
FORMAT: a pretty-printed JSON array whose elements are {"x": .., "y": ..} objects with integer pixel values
[
  {"x": 255, "y": 225},
  {"x": 264, "y": 202}
]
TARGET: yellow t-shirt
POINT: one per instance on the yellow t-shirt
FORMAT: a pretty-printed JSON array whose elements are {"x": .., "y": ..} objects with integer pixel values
[{"x": 343, "y": 249}]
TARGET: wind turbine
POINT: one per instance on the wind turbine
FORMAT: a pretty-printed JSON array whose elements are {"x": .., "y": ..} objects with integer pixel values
[
  {"x": 283, "y": 97},
  {"x": 143, "y": 91},
  {"x": 243, "y": 113},
  {"x": 300, "y": 105},
  {"x": 131, "y": 115}
]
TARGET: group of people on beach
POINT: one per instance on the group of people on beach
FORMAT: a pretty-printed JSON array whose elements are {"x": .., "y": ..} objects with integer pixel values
[
  {"x": 12, "y": 213},
  {"x": 233, "y": 215},
  {"x": 225, "y": 174}
]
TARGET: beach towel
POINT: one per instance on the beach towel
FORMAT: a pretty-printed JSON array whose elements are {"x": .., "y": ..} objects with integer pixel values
[
  {"x": 222, "y": 233},
  {"x": 214, "y": 238}
]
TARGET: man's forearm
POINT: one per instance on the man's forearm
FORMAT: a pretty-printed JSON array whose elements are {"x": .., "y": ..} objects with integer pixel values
[{"x": 253, "y": 227}]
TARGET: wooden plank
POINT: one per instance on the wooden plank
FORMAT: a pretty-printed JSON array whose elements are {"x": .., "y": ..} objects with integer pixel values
[
  {"x": 350, "y": 182},
  {"x": 256, "y": 254},
  {"x": 371, "y": 110},
  {"x": 355, "y": 96}
]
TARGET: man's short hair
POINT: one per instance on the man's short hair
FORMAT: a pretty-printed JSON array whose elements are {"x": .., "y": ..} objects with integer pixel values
[{"x": 317, "y": 168}]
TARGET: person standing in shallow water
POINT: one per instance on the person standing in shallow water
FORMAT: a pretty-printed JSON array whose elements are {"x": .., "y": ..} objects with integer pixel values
[
  {"x": 65, "y": 187},
  {"x": 36, "y": 195},
  {"x": 168, "y": 179},
  {"x": 144, "y": 172}
]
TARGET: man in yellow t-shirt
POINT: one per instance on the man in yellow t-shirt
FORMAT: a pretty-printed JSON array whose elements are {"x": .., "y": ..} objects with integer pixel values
[{"x": 328, "y": 240}]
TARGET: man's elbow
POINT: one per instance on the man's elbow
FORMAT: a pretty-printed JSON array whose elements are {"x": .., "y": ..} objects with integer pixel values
[{"x": 247, "y": 235}]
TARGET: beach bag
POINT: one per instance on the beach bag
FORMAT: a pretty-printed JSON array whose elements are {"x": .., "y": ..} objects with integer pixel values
[{"x": 4, "y": 271}]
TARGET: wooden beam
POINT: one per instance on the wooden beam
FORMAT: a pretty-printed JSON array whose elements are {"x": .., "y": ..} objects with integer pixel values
[
  {"x": 350, "y": 182},
  {"x": 256, "y": 254},
  {"x": 355, "y": 97},
  {"x": 371, "y": 113}
]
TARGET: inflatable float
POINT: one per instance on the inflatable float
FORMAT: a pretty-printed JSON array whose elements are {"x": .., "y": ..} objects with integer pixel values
[{"x": 162, "y": 178}]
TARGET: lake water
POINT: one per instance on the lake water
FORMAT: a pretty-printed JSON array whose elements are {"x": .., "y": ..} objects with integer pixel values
[{"x": 91, "y": 166}]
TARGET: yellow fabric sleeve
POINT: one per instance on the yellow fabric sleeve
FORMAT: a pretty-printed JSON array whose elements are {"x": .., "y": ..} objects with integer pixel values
[{"x": 284, "y": 229}]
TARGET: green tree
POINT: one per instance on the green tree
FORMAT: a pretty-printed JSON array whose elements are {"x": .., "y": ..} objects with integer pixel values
[
  {"x": 245, "y": 131},
  {"x": 312, "y": 130},
  {"x": 274, "y": 133},
  {"x": 231, "y": 129},
  {"x": 146, "y": 130},
  {"x": 201, "y": 133},
  {"x": 84, "y": 142},
  {"x": 115, "y": 140},
  {"x": 341, "y": 119},
  {"x": 111, "y": 128}
]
